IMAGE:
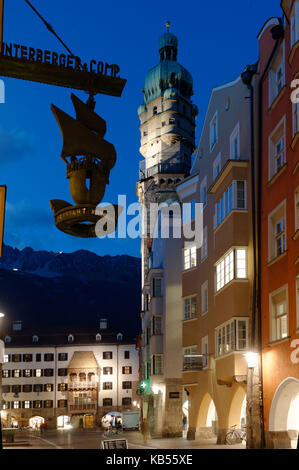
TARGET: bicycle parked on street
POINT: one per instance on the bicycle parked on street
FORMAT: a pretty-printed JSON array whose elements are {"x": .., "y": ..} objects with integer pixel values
[
  {"x": 112, "y": 431},
  {"x": 235, "y": 436}
]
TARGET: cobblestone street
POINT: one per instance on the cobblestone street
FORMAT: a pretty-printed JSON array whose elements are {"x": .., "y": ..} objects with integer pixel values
[{"x": 92, "y": 439}]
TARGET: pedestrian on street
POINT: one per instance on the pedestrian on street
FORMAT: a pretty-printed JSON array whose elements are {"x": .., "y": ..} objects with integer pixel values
[{"x": 144, "y": 429}]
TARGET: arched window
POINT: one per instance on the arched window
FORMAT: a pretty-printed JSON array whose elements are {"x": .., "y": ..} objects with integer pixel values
[
  {"x": 98, "y": 337},
  {"x": 119, "y": 336},
  {"x": 82, "y": 377},
  {"x": 70, "y": 338},
  {"x": 7, "y": 339},
  {"x": 34, "y": 339}
]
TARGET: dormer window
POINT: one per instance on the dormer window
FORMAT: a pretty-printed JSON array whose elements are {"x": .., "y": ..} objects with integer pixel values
[
  {"x": 70, "y": 338},
  {"x": 119, "y": 336},
  {"x": 34, "y": 339},
  {"x": 98, "y": 337},
  {"x": 7, "y": 339}
]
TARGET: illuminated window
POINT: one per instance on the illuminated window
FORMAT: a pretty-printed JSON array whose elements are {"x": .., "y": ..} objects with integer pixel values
[
  {"x": 232, "y": 266},
  {"x": 190, "y": 257},
  {"x": 5, "y": 358},
  {"x": 26, "y": 404},
  {"x": 48, "y": 387},
  {"x": 27, "y": 373},
  {"x": 16, "y": 373},
  {"x": 38, "y": 372},
  {"x": 279, "y": 314},
  {"x": 190, "y": 310},
  {"x": 107, "y": 370},
  {"x": 127, "y": 370},
  {"x": 16, "y": 405},
  {"x": 231, "y": 336},
  {"x": 62, "y": 387},
  {"x": 277, "y": 231},
  {"x": 5, "y": 373}
]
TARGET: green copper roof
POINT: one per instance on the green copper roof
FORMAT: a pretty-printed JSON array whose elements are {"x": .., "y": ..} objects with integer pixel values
[
  {"x": 167, "y": 74},
  {"x": 168, "y": 79},
  {"x": 168, "y": 39}
]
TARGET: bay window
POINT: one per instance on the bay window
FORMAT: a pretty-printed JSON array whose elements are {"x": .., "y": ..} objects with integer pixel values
[
  {"x": 231, "y": 266},
  {"x": 233, "y": 198},
  {"x": 231, "y": 336}
]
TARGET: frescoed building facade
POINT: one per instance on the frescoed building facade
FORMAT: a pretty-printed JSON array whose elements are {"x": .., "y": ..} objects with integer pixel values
[{"x": 67, "y": 376}]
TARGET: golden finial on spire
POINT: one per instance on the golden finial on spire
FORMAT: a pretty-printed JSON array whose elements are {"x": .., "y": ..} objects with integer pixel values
[{"x": 167, "y": 25}]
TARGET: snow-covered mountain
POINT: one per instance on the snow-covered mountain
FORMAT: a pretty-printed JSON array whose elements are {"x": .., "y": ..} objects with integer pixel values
[{"x": 43, "y": 287}]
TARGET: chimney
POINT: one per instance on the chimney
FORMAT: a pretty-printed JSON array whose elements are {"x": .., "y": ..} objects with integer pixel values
[
  {"x": 103, "y": 323},
  {"x": 17, "y": 325}
]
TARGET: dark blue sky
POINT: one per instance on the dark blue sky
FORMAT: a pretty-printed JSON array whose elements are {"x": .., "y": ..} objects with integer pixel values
[{"x": 217, "y": 40}]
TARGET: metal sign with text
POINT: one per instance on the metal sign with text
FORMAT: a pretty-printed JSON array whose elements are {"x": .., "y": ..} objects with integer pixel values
[{"x": 44, "y": 66}]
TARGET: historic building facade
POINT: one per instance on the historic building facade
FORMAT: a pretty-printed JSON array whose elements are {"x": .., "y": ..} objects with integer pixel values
[
  {"x": 72, "y": 376},
  {"x": 167, "y": 127},
  {"x": 279, "y": 248},
  {"x": 217, "y": 279}
]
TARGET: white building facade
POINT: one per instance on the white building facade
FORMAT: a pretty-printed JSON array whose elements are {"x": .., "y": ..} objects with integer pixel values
[{"x": 67, "y": 377}]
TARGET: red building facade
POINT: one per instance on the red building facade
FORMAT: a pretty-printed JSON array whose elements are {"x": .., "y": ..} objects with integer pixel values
[{"x": 279, "y": 234}]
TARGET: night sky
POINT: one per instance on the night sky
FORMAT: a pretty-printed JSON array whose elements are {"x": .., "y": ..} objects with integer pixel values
[{"x": 217, "y": 40}]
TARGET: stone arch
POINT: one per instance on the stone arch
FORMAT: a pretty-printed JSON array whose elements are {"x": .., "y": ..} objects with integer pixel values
[
  {"x": 204, "y": 409},
  {"x": 285, "y": 406},
  {"x": 234, "y": 416}
]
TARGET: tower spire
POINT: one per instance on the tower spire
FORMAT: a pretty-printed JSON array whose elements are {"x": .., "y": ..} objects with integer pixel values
[{"x": 167, "y": 26}]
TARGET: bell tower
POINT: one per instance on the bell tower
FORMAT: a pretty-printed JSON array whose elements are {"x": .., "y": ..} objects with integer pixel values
[{"x": 167, "y": 127}]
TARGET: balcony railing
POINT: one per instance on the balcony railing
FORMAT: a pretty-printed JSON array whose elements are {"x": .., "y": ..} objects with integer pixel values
[
  {"x": 83, "y": 406},
  {"x": 81, "y": 385},
  {"x": 166, "y": 167}
]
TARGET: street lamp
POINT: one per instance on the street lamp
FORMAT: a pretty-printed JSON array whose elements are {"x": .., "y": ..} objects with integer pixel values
[
  {"x": 251, "y": 358},
  {"x": 155, "y": 389},
  {"x": 1, "y": 445}
]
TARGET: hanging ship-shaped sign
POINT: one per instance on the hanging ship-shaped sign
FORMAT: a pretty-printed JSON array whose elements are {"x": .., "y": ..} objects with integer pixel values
[{"x": 89, "y": 159}]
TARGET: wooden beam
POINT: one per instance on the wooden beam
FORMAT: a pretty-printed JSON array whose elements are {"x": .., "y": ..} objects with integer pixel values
[{"x": 60, "y": 76}]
